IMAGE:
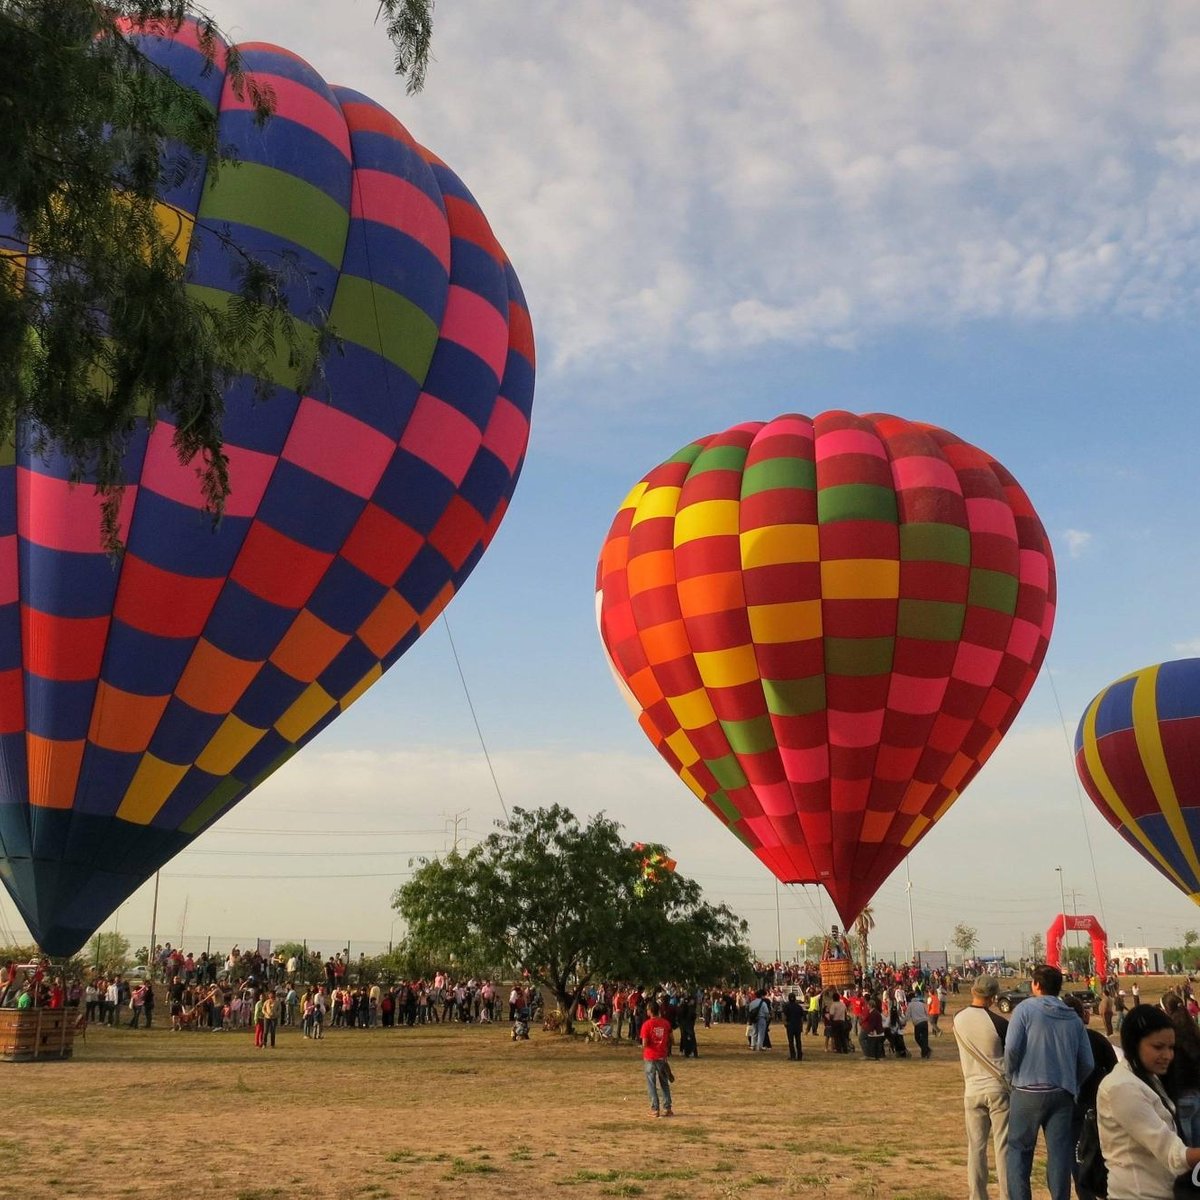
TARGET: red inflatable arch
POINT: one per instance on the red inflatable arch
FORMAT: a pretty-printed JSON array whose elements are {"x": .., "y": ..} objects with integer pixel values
[{"x": 1054, "y": 939}]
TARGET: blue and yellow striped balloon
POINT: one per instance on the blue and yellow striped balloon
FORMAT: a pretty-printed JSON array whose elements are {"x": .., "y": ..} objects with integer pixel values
[{"x": 1137, "y": 751}]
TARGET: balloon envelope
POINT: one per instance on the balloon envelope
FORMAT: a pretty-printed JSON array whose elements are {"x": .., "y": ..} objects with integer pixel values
[
  {"x": 1137, "y": 751},
  {"x": 825, "y": 626},
  {"x": 139, "y": 701}
]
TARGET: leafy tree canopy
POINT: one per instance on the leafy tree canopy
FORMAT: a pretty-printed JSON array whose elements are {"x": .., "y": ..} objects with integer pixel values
[
  {"x": 20, "y": 952},
  {"x": 97, "y": 324},
  {"x": 295, "y": 950},
  {"x": 814, "y": 945},
  {"x": 107, "y": 951},
  {"x": 965, "y": 937},
  {"x": 1079, "y": 957},
  {"x": 570, "y": 904}
]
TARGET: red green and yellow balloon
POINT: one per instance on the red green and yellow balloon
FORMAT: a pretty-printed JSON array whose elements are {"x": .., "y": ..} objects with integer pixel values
[
  {"x": 825, "y": 626},
  {"x": 1137, "y": 751}
]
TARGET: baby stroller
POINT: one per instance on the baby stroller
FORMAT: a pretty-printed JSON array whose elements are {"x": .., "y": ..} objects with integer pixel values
[
  {"x": 601, "y": 1030},
  {"x": 520, "y": 1026}
]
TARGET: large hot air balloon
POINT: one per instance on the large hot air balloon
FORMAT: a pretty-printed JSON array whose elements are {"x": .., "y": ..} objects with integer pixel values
[
  {"x": 140, "y": 701},
  {"x": 825, "y": 627},
  {"x": 1137, "y": 751}
]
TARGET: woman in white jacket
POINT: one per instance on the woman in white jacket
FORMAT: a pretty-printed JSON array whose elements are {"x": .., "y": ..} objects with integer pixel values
[{"x": 1141, "y": 1145}]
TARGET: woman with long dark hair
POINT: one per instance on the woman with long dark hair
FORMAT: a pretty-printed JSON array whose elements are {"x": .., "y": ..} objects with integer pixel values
[
  {"x": 1142, "y": 1147},
  {"x": 1183, "y": 1082}
]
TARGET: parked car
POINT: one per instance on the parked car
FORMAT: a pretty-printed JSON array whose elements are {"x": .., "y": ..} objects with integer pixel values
[
  {"x": 1009, "y": 998},
  {"x": 136, "y": 973}
]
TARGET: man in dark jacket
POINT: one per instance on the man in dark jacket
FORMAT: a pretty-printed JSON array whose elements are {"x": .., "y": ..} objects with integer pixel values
[
  {"x": 793, "y": 1020},
  {"x": 1105, "y": 1058},
  {"x": 685, "y": 1017}
]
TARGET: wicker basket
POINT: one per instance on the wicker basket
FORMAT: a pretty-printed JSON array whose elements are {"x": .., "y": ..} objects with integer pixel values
[
  {"x": 31, "y": 1033},
  {"x": 837, "y": 967},
  {"x": 837, "y": 972}
]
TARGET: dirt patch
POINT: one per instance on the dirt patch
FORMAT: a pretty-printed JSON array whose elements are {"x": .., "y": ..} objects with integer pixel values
[{"x": 380, "y": 1113}]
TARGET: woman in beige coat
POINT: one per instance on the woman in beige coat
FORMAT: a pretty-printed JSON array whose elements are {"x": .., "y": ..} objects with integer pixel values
[{"x": 1142, "y": 1147}]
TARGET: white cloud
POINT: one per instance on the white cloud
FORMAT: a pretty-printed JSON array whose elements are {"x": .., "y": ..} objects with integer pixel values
[
  {"x": 724, "y": 173},
  {"x": 1077, "y": 540}
]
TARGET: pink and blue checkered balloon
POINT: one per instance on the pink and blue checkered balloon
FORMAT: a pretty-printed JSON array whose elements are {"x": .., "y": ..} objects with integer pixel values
[{"x": 140, "y": 702}]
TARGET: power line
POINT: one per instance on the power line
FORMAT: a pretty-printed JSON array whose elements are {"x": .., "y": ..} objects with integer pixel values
[
  {"x": 305, "y": 876},
  {"x": 471, "y": 706},
  {"x": 330, "y": 832},
  {"x": 300, "y": 853}
]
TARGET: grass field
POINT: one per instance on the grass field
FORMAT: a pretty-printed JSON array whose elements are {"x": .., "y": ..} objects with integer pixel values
[{"x": 453, "y": 1110}]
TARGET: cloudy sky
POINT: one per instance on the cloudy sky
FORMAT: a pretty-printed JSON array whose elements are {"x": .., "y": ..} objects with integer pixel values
[{"x": 980, "y": 216}]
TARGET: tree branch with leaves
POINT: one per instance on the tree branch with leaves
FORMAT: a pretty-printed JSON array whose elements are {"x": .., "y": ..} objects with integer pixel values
[
  {"x": 98, "y": 327},
  {"x": 569, "y": 905}
]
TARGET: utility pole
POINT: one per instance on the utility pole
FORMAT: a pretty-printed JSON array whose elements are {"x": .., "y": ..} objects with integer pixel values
[
  {"x": 459, "y": 818},
  {"x": 778, "y": 937},
  {"x": 912, "y": 936},
  {"x": 1075, "y": 911},
  {"x": 153, "y": 924},
  {"x": 1062, "y": 895}
]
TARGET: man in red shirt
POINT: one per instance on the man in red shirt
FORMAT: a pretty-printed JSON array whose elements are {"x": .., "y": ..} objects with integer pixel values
[{"x": 656, "y": 1045}]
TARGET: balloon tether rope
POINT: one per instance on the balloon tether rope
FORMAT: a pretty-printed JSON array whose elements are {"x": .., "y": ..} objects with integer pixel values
[
  {"x": 471, "y": 706},
  {"x": 1062, "y": 724}
]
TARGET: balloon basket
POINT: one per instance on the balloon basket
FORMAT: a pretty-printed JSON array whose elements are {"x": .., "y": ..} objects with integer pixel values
[
  {"x": 837, "y": 972},
  {"x": 29, "y": 1034}
]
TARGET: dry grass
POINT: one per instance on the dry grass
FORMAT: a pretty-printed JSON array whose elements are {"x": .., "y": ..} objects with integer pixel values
[{"x": 451, "y": 1109}]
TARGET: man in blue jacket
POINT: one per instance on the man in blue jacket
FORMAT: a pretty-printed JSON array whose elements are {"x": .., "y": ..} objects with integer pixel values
[{"x": 1047, "y": 1057}]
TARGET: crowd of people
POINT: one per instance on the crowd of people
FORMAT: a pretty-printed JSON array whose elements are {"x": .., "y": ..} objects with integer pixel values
[
  {"x": 230, "y": 1004},
  {"x": 31, "y": 985},
  {"x": 1119, "y": 1121},
  {"x": 872, "y": 1015},
  {"x": 221, "y": 992}
]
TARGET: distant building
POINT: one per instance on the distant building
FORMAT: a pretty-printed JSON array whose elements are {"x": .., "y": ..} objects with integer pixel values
[{"x": 1138, "y": 960}]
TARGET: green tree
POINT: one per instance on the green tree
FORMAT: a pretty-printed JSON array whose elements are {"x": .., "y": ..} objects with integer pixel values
[
  {"x": 1079, "y": 958},
  {"x": 569, "y": 904},
  {"x": 308, "y": 967},
  {"x": 1185, "y": 955},
  {"x": 814, "y": 945},
  {"x": 108, "y": 951},
  {"x": 965, "y": 937},
  {"x": 19, "y": 953},
  {"x": 1037, "y": 948},
  {"x": 864, "y": 923},
  {"x": 98, "y": 325}
]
